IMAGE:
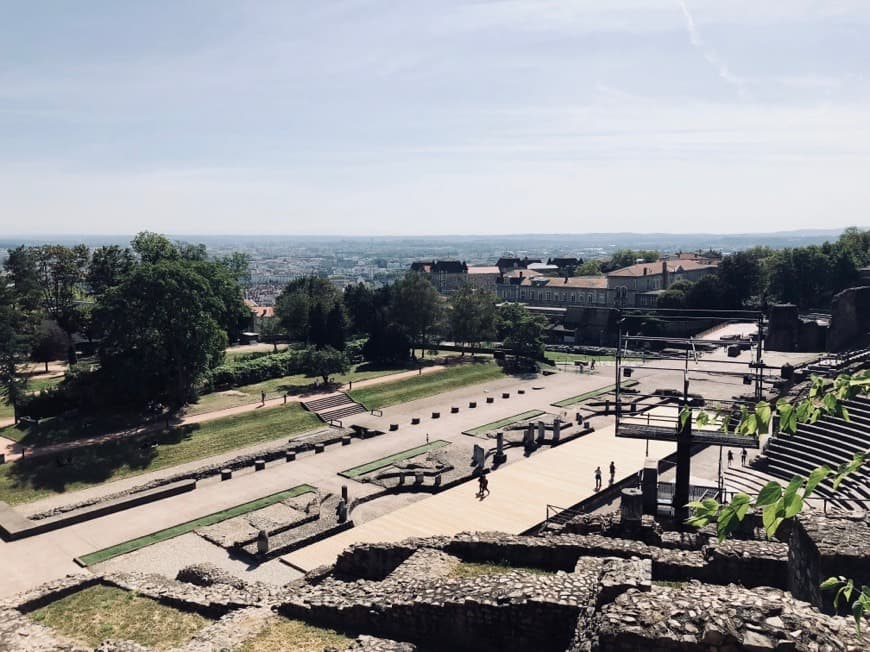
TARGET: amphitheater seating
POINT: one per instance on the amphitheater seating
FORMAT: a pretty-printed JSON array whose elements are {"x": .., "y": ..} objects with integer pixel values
[{"x": 832, "y": 441}]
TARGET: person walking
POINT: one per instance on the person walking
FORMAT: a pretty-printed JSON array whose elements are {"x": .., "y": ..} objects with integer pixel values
[
  {"x": 263, "y": 398},
  {"x": 730, "y": 457},
  {"x": 597, "y": 478},
  {"x": 483, "y": 486},
  {"x": 612, "y": 471},
  {"x": 743, "y": 457}
]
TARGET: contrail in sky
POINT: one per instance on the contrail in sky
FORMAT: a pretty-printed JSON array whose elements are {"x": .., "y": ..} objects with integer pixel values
[{"x": 709, "y": 53}]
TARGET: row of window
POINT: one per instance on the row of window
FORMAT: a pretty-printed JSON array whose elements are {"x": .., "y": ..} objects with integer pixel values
[{"x": 558, "y": 297}]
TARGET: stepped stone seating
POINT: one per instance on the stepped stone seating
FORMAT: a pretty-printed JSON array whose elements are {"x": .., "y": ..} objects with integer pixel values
[{"x": 832, "y": 441}]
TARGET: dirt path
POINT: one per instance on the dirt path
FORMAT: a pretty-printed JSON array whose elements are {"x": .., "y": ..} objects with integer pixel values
[{"x": 13, "y": 450}]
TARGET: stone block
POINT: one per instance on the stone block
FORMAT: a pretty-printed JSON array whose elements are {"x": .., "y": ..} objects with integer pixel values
[
  {"x": 226, "y": 474},
  {"x": 345, "y": 440},
  {"x": 454, "y": 410},
  {"x": 436, "y": 415},
  {"x": 394, "y": 427},
  {"x": 319, "y": 448},
  {"x": 290, "y": 456},
  {"x": 505, "y": 394},
  {"x": 259, "y": 465},
  {"x": 472, "y": 404},
  {"x": 415, "y": 421},
  {"x": 490, "y": 399}
]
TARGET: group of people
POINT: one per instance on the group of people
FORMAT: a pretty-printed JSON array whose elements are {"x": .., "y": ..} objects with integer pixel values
[
  {"x": 598, "y": 475},
  {"x": 743, "y": 455}
]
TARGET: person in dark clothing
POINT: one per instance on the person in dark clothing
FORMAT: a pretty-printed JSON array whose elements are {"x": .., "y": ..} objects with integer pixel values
[
  {"x": 612, "y": 471},
  {"x": 597, "y": 478},
  {"x": 730, "y": 458},
  {"x": 743, "y": 457},
  {"x": 483, "y": 486}
]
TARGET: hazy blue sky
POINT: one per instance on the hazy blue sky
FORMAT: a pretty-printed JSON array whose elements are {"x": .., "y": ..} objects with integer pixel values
[{"x": 437, "y": 116}]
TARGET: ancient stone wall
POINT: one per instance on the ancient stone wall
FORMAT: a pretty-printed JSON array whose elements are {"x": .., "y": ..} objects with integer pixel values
[
  {"x": 705, "y": 618},
  {"x": 850, "y": 317},
  {"x": 821, "y": 547}
]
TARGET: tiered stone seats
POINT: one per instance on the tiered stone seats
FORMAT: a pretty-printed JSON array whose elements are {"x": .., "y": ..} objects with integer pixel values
[{"x": 832, "y": 441}]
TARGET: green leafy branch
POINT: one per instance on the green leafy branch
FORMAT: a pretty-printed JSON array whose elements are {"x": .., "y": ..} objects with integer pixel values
[
  {"x": 845, "y": 589},
  {"x": 823, "y": 399}
]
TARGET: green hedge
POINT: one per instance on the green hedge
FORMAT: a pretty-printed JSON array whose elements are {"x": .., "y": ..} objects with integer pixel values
[{"x": 256, "y": 370}]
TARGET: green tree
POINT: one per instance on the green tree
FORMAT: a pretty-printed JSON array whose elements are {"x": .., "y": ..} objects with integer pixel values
[
  {"x": 230, "y": 310},
  {"x": 521, "y": 331},
  {"x": 418, "y": 309},
  {"x": 625, "y": 257},
  {"x": 238, "y": 264},
  {"x": 153, "y": 247},
  {"x": 160, "y": 333},
  {"x": 336, "y": 323},
  {"x": 742, "y": 277},
  {"x": 324, "y": 362},
  {"x": 359, "y": 304},
  {"x": 675, "y": 296},
  {"x": 472, "y": 316},
  {"x": 387, "y": 342},
  {"x": 589, "y": 268},
  {"x": 108, "y": 266},
  {"x": 708, "y": 292},
  {"x": 61, "y": 271},
  {"x": 49, "y": 343},
  {"x": 14, "y": 347},
  {"x": 20, "y": 265},
  {"x": 303, "y": 306}
]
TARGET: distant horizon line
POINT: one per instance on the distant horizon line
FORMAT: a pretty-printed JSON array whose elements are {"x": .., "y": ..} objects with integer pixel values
[{"x": 819, "y": 231}]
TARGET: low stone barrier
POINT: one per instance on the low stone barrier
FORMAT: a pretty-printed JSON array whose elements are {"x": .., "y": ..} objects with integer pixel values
[
  {"x": 226, "y": 474},
  {"x": 259, "y": 465},
  {"x": 14, "y": 526}
]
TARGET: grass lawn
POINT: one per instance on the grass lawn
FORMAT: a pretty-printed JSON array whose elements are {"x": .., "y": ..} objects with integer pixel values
[
  {"x": 480, "y": 431},
  {"x": 276, "y": 387},
  {"x": 567, "y": 402},
  {"x": 31, "y": 479},
  {"x": 96, "y": 613},
  {"x": 398, "y": 457},
  {"x": 409, "y": 389},
  {"x": 284, "y": 634},
  {"x": 189, "y": 526},
  {"x": 473, "y": 569}
]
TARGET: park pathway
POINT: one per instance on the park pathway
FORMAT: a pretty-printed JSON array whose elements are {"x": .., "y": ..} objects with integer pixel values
[{"x": 14, "y": 451}]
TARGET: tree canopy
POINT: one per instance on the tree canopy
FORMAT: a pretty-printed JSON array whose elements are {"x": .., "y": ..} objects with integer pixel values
[
  {"x": 161, "y": 332},
  {"x": 472, "y": 316}
]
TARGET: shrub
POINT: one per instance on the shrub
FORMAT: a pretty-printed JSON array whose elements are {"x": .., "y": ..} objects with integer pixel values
[{"x": 254, "y": 370}]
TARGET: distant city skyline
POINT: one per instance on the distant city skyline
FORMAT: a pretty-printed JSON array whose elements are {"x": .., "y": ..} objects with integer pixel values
[{"x": 367, "y": 117}]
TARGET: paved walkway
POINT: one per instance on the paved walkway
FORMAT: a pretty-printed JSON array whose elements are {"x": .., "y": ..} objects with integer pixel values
[
  {"x": 518, "y": 500},
  {"x": 14, "y": 451}
]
